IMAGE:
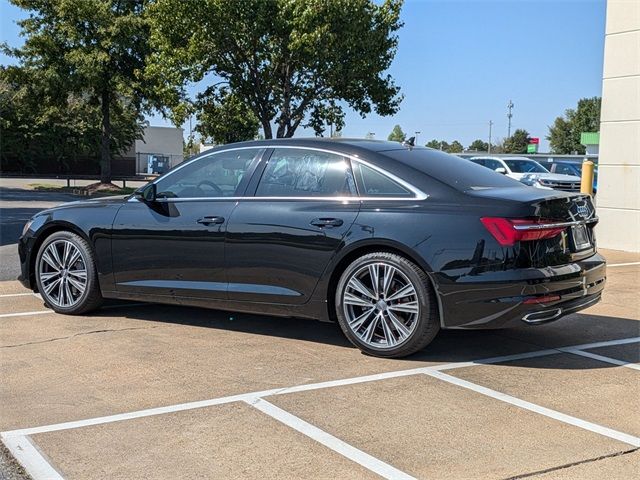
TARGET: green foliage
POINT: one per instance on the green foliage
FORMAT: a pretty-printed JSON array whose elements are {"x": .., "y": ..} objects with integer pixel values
[
  {"x": 43, "y": 125},
  {"x": 397, "y": 135},
  {"x": 517, "y": 143},
  {"x": 455, "y": 147},
  {"x": 288, "y": 61},
  {"x": 564, "y": 134},
  {"x": 479, "y": 146},
  {"x": 224, "y": 118},
  {"x": 92, "y": 51}
]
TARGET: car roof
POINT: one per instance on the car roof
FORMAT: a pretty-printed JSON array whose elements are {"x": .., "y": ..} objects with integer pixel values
[
  {"x": 485, "y": 157},
  {"x": 342, "y": 144}
]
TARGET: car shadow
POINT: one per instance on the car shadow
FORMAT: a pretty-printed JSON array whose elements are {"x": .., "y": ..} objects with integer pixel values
[{"x": 448, "y": 347}]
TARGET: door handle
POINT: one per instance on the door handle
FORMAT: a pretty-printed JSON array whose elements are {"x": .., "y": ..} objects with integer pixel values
[
  {"x": 326, "y": 222},
  {"x": 211, "y": 219}
]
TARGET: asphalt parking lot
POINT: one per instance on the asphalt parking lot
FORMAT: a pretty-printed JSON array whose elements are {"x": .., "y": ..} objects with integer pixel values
[{"x": 148, "y": 391}]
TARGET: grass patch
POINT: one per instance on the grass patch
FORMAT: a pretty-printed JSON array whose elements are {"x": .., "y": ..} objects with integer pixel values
[{"x": 94, "y": 190}]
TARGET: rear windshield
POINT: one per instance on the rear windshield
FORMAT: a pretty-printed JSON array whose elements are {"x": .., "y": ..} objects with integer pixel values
[
  {"x": 451, "y": 170},
  {"x": 525, "y": 166}
]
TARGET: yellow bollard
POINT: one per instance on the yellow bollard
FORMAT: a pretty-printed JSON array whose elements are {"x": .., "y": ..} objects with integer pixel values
[{"x": 586, "y": 184}]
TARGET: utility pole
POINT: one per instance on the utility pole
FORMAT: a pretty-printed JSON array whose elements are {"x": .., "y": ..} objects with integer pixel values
[
  {"x": 509, "y": 115},
  {"x": 416, "y": 139},
  {"x": 490, "y": 126}
]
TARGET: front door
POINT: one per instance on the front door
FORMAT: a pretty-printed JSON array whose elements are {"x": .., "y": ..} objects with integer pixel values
[
  {"x": 280, "y": 241},
  {"x": 175, "y": 245}
]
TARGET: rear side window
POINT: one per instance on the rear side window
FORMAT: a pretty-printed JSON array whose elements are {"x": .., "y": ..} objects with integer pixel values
[
  {"x": 564, "y": 169},
  {"x": 492, "y": 164},
  {"x": 293, "y": 172},
  {"x": 372, "y": 183}
]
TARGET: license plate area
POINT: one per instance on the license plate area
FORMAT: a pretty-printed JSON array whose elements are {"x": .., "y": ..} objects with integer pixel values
[{"x": 580, "y": 238}]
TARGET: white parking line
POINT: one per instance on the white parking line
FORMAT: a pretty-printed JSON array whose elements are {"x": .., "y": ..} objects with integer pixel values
[
  {"x": 24, "y": 314},
  {"x": 577, "y": 422},
  {"x": 622, "y": 264},
  {"x": 299, "y": 388},
  {"x": 7, "y": 295},
  {"x": 30, "y": 458},
  {"x": 352, "y": 453},
  {"x": 14, "y": 439},
  {"x": 601, "y": 358}
]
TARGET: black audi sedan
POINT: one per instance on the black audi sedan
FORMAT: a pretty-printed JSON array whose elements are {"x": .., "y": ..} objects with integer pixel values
[{"x": 394, "y": 242}]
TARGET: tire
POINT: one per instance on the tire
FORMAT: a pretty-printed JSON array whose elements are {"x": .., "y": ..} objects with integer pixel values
[
  {"x": 402, "y": 321},
  {"x": 72, "y": 258}
]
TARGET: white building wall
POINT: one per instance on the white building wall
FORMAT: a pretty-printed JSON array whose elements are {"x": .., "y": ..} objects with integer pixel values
[
  {"x": 164, "y": 141},
  {"x": 619, "y": 163}
]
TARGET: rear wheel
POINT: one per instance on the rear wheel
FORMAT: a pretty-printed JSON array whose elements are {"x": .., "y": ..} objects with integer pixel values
[
  {"x": 66, "y": 274},
  {"x": 385, "y": 306}
]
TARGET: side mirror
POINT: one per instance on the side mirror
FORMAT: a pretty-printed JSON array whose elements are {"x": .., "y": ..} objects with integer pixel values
[
  {"x": 501, "y": 170},
  {"x": 146, "y": 193}
]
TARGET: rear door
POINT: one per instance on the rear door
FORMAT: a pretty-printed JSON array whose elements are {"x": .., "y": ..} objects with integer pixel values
[{"x": 280, "y": 241}]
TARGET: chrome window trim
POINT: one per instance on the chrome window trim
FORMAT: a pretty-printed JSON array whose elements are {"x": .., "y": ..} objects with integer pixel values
[
  {"x": 543, "y": 226},
  {"x": 417, "y": 193}
]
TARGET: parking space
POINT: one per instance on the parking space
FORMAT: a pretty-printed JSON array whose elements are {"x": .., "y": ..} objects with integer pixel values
[{"x": 149, "y": 391}]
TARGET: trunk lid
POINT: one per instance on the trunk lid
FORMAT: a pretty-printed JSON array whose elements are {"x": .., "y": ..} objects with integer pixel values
[{"x": 575, "y": 213}]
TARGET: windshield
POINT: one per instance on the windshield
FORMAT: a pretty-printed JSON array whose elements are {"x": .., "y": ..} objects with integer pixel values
[{"x": 525, "y": 166}]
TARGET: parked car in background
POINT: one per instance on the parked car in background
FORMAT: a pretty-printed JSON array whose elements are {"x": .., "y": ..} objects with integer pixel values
[
  {"x": 566, "y": 167},
  {"x": 530, "y": 173}
]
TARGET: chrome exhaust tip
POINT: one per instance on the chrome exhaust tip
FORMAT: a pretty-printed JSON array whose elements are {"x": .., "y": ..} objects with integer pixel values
[{"x": 542, "y": 317}]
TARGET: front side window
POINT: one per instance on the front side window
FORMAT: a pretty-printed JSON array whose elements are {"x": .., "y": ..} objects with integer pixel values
[
  {"x": 375, "y": 184},
  {"x": 293, "y": 172},
  {"x": 216, "y": 175}
]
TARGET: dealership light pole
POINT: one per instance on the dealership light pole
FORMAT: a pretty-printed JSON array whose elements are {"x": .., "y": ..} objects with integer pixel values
[
  {"x": 490, "y": 125},
  {"x": 509, "y": 115}
]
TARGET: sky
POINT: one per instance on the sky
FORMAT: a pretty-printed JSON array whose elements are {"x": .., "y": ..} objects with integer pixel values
[{"x": 459, "y": 62}]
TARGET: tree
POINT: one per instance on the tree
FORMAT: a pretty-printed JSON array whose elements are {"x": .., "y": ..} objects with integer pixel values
[
  {"x": 479, "y": 146},
  {"x": 44, "y": 127},
  {"x": 224, "y": 118},
  {"x": 397, "y": 135},
  {"x": 564, "y": 134},
  {"x": 287, "y": 60},
  {"x": 434, "y": 144},
  {"x": 455, "y": 147},
  {"x": 93, "y": 50},
  {"x": 517, "y": 143}
]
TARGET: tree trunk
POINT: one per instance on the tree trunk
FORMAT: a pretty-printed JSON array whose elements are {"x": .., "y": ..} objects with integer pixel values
[
  {"x": 105, "y": 144},
  {"x": 266, "y": 126}
]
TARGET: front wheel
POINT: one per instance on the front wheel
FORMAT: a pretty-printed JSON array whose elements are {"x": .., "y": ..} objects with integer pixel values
[
  {"x": 385, "y": 305},
  {"x": 66, "y": 274}
]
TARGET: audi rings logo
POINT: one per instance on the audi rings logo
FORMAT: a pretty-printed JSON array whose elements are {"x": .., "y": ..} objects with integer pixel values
[{"x": 582, "y": 210}]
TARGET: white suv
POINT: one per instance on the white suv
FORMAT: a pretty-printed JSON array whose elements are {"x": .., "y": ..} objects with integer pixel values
[{"x": 529, "y": 172}]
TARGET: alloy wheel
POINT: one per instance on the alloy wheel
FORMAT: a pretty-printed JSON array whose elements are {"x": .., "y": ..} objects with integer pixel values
[
  {"x": 381, "y": 305},
  {"x": 63, "y": 273}
]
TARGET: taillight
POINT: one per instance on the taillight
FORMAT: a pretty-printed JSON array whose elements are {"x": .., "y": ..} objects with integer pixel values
[{"x": 508, "y": 231}]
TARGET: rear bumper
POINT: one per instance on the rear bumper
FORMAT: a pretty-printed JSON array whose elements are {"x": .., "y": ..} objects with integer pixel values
[{"x": 533, "y": 296}]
